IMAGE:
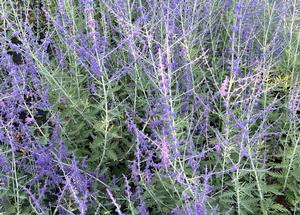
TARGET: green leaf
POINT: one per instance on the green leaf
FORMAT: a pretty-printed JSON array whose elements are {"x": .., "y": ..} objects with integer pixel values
[
  {"x": 274, "y": 188},
  {"x": 280, "y": 208},
  {"x": 112, "y": 155},
  {"x": 276, "y": 174}
]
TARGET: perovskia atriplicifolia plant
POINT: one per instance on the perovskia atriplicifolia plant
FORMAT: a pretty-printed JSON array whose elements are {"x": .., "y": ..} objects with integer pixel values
[{"x": 149, "y": 107}]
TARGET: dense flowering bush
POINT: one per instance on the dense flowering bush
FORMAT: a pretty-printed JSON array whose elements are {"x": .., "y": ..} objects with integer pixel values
[{"x": 149, "y": 107}]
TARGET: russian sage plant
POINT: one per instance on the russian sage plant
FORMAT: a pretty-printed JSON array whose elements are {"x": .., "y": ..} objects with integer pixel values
[{"x": 149, "y": 107}]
